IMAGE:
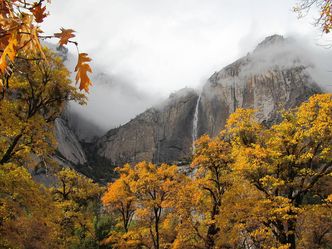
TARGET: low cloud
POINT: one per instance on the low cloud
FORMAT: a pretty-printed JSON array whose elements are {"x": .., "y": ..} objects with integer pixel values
[
  {"x": 291, "y": 52},
  {"x": 114, "y": 99}
]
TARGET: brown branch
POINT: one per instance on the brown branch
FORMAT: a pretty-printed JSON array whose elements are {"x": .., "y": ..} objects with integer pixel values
[{"x": 9, "y": 152}]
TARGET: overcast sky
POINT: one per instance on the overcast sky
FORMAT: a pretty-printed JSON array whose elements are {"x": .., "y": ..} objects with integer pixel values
[{"x": 164, "y": 45}]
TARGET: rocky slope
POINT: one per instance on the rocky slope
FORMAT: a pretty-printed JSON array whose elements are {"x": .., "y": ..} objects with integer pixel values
[
  {"x": 69, "y": 149},
  {"x": 270, "y": 78},
  {"x": 160, "y": 134}
]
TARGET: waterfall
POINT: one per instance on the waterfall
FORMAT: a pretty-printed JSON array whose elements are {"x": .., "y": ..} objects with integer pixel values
[{"x": 195, "y": 122}]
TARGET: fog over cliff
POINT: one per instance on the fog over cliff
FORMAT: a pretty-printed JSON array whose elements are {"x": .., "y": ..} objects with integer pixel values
[
  {"x": 114, "y": 99},
  {"x": 145, "y": 50}
]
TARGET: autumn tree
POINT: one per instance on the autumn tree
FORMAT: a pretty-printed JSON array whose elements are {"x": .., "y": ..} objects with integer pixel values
[
  {"x": 28, "y": 217},
  {"x": 208, "y": 215},
  {"x": 242, "y": 216},
  {"x": 37, "y": 94},
  {"x": 120, "y": 197},
  {"x": 187, "y": 210},
  {"x": 33, "y": 216},
  {"x": 153, "y": 190},
  {"x": 121, "y": 203},
  {"x": 286, "y": 162},
  {"x": 34, "y": 87},
  {"x": 77, "y": 198},
  {"x": 324, "y": 19},
  {"x": 212, "y": 163},
  {"x": 20, "y": 36},
  {"x": 34, "y": 84}
]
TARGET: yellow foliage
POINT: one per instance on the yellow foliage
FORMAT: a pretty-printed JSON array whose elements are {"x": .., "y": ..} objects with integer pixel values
[
  {"x": 284, "y": 162},
  {"x": 36, "y": 97},
  {"x": 76, "y": 197},
  {"x": 9, "y": 52},
  {"x": 144, "y": 195},
  {"x": 21, "y": 35},
  {"x": 27, "y": 218}
]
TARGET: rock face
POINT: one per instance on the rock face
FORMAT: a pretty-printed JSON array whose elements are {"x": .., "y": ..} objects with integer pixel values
[
  {"x": 235, "y": 86},
  {"x": 160, "y": 134},
  {"x": 69, "y": 148},
  {"x": 265, "y": 93},
  {"x": 270, "y": 78}
]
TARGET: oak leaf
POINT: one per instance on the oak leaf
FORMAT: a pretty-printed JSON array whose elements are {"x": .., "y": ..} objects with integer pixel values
[
  {"x": 82, "y": 69},
  {"x": 64, "y": 36},
  {"x": 10, "y": 52},
  {"x": 39, "y": 12}
]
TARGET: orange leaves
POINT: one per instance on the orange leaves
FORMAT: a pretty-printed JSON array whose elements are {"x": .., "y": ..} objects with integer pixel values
[
  {"x": 82, "y": 59},
  {"x": 82, "y": 68},
  {"x": 10, "y": 49},
  {"x": 326, "y": 16},
  {"x": 21, "y": 33},
  {"x": 5, "y": 8},
  {"x": 83, "y": 77},
  {"x": 9, "y": 52},
  {"x": 39, "y": 12},
  {"x": 64, "y": 36},
  {"x": 148, "y": 191}
]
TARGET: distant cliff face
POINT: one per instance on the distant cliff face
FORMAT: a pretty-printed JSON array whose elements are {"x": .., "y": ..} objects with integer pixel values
[
  {"x": 75, "y": 153},
  {"x": 266, "y": 93},
  {"x": 69, "y": 148},
  {"x": 160, "y": 134},
  {"x": 272, "y": 77}
]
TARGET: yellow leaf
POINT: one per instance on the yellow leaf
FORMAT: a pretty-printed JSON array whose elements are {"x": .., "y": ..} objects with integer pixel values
[{"x": 10, "y": 52}]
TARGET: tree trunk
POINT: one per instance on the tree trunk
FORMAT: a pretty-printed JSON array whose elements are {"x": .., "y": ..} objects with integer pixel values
[
  {"x": 157, "y": 234},
  {"x": 286, "y": 235},
  {"x": 210, "y": 240},
  {"x": 6, "y": 157},
  {"x": 157, "y": 212},
  {"x": 291, "y": 237}
]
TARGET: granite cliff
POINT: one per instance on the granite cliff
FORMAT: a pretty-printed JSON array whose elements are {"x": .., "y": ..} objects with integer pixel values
[{"x": 160, "y": 134}]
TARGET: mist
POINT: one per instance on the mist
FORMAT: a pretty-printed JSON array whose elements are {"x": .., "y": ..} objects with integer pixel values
[
  {"x": 292, "y": 51},
  {"x": 161, "y": 46},
  {"x": 113, "y": 101}
]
